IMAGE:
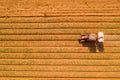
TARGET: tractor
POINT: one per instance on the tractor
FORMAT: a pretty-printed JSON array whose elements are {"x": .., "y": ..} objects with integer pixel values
[{"x": 91, "y": 37}]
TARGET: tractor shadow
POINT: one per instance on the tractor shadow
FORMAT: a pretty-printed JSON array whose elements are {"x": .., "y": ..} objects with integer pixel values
[
  {"x": 100, "y": 46},
  {"x": 93, "y": 46}
]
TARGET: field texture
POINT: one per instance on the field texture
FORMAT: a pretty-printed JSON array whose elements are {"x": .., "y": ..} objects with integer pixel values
[{"x": 39, "y": 40}]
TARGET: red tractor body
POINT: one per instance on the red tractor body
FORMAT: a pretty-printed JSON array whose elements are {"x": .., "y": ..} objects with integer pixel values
[{"x": 92, "y": 37}]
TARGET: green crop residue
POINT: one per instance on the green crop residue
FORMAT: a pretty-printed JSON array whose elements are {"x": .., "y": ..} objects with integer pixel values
[
  {"x": 7, "y": 62},
  {"x": 5, "y": 50},
  {"x": 14, "y": 50},
  {"x": 6, "y": 68},
  {"x": 8, "y": 74},
  {"x": 27, "y": 55},
  {"x": 26, "y": 50}
]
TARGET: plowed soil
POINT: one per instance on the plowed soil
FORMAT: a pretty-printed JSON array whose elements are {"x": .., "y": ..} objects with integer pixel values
[{"x": 39, "y": 40}]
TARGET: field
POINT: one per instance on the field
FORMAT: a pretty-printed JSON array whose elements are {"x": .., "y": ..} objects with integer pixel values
[{"x": 39, "y": 40}]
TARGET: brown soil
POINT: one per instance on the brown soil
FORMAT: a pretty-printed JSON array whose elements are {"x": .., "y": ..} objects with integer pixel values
[{"x": 39, "y": 40}]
